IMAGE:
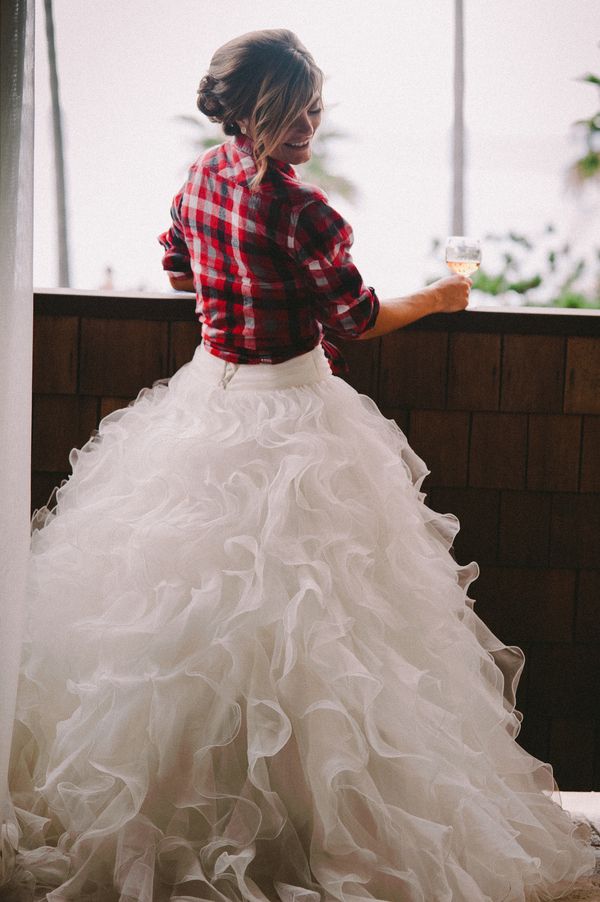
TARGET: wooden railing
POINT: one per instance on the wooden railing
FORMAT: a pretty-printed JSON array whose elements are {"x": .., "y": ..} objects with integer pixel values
[{"x": 504, "y": 406}]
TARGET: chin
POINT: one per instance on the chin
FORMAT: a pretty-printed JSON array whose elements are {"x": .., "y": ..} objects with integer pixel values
[
  {"x": 301, "y": 156},
  {"x": 295, "y": 157}
]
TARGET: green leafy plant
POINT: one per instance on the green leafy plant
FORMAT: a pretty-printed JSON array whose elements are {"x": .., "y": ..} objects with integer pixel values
[
  {"x": 534, "y": 264},
  {"x": 586, "y": 169}
]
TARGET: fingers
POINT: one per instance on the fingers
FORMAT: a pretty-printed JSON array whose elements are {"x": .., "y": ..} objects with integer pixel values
[
  {"x": 462, "y": 291},
  {"x": 468, "y": 283},
  {"x": 453, "y": 293}
]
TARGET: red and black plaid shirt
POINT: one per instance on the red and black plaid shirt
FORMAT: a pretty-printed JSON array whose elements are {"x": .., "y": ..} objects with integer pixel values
[{"x": 272, "y": 268}]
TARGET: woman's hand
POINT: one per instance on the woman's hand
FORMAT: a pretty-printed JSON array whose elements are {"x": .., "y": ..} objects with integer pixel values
[
  {"x": 181, "y": 283},
  {"x": 450, "y": 294}
]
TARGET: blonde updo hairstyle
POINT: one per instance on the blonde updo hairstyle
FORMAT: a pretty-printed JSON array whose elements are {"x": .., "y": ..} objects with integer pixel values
[{"x": 267, "y": 77}]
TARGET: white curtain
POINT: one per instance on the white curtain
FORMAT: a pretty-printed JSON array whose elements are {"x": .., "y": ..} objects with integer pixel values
[{"x": 16, "y": 329}]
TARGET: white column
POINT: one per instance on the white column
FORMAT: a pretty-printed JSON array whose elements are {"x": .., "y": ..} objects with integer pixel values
[{"x": 16, "y": 329}]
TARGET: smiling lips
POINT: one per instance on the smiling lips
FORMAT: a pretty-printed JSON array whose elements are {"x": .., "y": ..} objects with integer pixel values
[{"x": 299, "y": 146}]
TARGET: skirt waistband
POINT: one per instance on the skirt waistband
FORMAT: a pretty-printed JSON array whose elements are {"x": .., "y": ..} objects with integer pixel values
[{"x": 302, "y": 370}]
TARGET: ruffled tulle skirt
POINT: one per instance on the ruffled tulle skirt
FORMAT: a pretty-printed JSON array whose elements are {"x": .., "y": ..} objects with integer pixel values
[{"x": 252, "y": 671}]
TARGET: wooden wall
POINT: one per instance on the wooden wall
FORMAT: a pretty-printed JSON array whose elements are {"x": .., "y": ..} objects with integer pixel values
[{"x": 505, "y": 409}]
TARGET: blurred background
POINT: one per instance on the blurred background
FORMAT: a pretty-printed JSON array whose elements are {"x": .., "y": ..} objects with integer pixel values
[{"x": 126, "y": 76}]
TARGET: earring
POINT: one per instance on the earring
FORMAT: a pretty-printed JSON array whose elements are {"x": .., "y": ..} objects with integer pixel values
[{"x": 243, "y": 128}]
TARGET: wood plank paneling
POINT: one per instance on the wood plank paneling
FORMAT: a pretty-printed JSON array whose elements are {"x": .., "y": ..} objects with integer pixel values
[
  {"x": 587, "y": 623},
  {"x": 60, "y": 423},
  {"x": 441, "y": 438},
  {"x": 477, "y": 511},
  {"x": 498, "y": 450},
  {"x": 522, "y": 604},
  {"x": 118, "y": 358},
  {"x": 532, "y": 373},
  {"x": 582, "y": 389},
  {"x": 474, "y": 372},
  {"x": 575, "y": 531},
  {"x": 363, "y": 359},
  {"x": 553, "y": 452},
  {"x": 108, "y": 405},
  {"x": 400, "y": 417},
  {"x": 564, "y": 680},
  {"x": 115, "y": 305},
  {"x": 184, "y": 339},
  {"x": 590, "y": 458},
  {"x": 534, "y": 736},
  {"x": 413, "y": 369},
  {"x": 55, "y": 354},
  {"x": 524, "y": 533},
  {"x": 572, "y": 751}
]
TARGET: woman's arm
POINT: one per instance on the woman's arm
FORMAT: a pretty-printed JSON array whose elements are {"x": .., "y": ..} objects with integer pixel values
[
  {"x": 176, "y": 257},
  {"x": 448, "y": 295},
  {"x": 321, "y": 241}
]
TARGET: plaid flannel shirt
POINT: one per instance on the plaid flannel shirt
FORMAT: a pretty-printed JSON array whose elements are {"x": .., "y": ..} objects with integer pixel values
[{"x": 272, "y": 268}]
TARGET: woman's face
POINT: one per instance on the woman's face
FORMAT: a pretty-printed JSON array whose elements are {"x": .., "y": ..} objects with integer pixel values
[{"x": 296, "y": 145}]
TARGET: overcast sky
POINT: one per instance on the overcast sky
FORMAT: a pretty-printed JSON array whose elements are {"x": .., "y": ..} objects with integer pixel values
[{"x": 129, "y": 69}]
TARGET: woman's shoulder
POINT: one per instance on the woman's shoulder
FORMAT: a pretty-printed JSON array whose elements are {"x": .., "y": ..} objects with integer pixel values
[
  {"x": 281, "y": 183},
  {"x": 216, "y": 159},
  {"x": 284, "y": 186}
]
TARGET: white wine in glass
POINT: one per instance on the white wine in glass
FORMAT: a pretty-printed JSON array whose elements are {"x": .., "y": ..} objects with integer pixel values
[{"x": 463, "y": 254}]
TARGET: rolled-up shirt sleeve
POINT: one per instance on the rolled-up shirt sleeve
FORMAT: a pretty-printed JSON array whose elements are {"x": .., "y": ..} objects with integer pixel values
[
  {"x": 321, "y": 244},
  {"x": 176, "y": 257}
]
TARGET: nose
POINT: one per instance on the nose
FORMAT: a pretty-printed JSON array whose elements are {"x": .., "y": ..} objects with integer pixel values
[{"x": 303, "y": 124}]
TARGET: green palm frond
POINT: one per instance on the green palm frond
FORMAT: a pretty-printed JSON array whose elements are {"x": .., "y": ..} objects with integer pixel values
[{"x": 590, "y": 79}]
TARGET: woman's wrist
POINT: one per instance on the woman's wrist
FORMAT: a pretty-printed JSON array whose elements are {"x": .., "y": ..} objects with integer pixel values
[
  {"x": 428, "y": 300},
  {"x": 435, "y": 300},
  {"x": 394, "y": 313}
]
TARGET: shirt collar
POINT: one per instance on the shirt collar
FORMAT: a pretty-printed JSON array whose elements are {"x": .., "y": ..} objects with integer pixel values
[{"x": 246, "y": 145}]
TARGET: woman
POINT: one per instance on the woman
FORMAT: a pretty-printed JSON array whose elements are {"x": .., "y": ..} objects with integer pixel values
[{"x": 252, "y": 671}]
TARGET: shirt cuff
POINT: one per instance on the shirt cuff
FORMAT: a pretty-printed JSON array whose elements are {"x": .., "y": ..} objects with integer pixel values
[{"x": 374, "y": 310}]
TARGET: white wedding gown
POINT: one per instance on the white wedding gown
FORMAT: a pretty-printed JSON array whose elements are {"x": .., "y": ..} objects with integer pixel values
[{"x": 252, "y": 671}]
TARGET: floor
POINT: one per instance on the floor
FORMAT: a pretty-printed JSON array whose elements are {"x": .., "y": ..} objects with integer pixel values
[
  {"x": 582, "y": 805},
  {"x": 585, "y": 805}
]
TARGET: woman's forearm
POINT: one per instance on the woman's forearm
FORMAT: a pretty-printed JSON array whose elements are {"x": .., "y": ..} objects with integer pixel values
[
  {"x": 394, "y": 313},
  {"x": 448, "y": 295}
]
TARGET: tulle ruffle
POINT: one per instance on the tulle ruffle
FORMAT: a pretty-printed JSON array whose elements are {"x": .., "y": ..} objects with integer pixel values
[{"x": 252, "y": 672}]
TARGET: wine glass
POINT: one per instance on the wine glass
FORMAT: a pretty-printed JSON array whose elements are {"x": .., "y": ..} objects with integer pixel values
[{"x": 463, "y": 254}]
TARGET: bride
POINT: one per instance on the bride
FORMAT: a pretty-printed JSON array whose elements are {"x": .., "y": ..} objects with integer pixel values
[{"x": 252, "y": 670}]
